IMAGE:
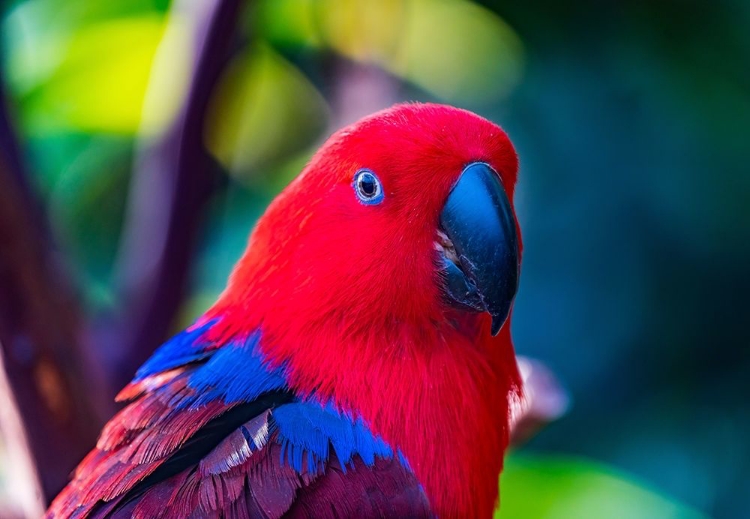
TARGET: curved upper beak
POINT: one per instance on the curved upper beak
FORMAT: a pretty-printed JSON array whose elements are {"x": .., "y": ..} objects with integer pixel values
[{"x": 479, "y": 245}]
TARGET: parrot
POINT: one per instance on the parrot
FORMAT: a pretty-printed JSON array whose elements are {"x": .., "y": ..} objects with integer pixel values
[{"x": 359, "y": 362}]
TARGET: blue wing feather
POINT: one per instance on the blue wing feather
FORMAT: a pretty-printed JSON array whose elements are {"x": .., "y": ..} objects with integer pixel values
[
  {"x": 237, "y": 372},
  {"x": 229, "y": 433},
  {"x": 185, "y": 348}
]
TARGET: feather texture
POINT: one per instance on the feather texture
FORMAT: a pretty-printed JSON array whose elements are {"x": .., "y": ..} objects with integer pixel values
[{"x": 197, "y": 443}]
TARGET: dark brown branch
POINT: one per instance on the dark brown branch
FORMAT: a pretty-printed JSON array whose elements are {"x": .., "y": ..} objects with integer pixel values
[
  {"x": 173, "y": 181},
  {"x": 39, "y": 329}
]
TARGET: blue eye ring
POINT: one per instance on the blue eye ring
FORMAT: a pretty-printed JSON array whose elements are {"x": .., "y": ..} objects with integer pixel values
[{"x": 368, "y": 187}]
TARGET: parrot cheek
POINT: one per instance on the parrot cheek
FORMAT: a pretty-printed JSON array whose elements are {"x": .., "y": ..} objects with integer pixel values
[{"x": 478, "y": 245}]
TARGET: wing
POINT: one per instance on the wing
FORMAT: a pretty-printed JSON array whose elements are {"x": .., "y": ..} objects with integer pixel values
[{"x": 214, "y": 432}]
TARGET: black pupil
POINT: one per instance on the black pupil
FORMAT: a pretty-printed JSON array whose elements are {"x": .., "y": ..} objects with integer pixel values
[{"x": 367, "y": 185}]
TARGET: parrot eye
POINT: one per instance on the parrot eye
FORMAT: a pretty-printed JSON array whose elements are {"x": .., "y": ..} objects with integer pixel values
[{"x": 368, "y": 187}]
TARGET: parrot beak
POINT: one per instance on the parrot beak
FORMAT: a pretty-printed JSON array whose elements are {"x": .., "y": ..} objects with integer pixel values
[{"x": 478, "y": 243}]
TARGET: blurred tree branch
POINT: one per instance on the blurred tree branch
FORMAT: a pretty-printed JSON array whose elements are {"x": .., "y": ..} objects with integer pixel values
[
  {"x": 172, "y": 183},
  {"x": 45, "y": 361},
  {"x": 51, "y": 374}
]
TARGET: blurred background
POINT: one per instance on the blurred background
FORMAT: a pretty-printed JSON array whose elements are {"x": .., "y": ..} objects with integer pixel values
[{"x": 141, "y": 139}]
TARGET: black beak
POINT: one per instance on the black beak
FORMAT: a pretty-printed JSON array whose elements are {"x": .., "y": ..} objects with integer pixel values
[{"x": 480, "y": 254}]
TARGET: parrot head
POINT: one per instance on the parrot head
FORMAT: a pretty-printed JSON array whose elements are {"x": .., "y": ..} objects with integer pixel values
[{"x": 405, "y": 216}]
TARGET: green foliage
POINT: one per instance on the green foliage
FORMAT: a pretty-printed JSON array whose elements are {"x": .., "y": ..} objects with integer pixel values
[
  {"x": 88, "y": 73},
  {"x": 264, "y": 100},
  {"x": 560, "y": 487},
  {"x": 453, "y": 49}
]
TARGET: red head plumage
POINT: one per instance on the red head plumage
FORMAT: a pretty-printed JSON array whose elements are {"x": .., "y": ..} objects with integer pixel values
[{"x": 348, "y": 297}]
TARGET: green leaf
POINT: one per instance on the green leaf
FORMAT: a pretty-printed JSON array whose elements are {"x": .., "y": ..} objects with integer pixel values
[
  {"x": 93, "y": 78},
  {"x": 453, "y": 49},
  {"x": 563, "y": 487},
  {"x": 263, "y": 110}
]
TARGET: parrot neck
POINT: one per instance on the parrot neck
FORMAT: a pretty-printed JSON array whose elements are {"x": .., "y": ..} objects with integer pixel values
[{"x": 436, "y": 393}]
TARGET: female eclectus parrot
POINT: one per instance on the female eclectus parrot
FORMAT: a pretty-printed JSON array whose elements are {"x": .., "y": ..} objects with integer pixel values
[{"x": 359, "y": 362}]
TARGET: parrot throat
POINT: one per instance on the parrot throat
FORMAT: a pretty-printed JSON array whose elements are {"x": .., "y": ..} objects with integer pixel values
[{"x": 439, "y": 394}]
